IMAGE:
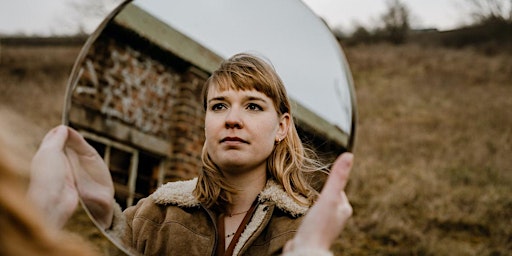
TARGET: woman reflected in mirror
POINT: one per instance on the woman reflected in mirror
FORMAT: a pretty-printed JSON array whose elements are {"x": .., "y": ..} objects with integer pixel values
[{"x": 252, "y": 195}]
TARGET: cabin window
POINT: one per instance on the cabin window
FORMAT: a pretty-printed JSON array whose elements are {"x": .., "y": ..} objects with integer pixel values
[{"x": 136, "y": 173}]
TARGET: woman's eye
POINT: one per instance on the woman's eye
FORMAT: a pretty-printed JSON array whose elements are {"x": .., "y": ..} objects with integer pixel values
[
  {"x": 253, "y": 106},
  {"x": 218, "y": 106}
]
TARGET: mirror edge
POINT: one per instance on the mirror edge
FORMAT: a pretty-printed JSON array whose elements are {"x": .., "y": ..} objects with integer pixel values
[{"x": 75, "y": 71}]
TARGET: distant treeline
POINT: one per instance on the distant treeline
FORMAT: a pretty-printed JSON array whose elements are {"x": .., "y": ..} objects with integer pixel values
[
  {"x": 497, "y": 32},
  {"x": 43, "y": 41},
  {"x": 492, "y": 37},
  {"x": 490, "y": 28}
]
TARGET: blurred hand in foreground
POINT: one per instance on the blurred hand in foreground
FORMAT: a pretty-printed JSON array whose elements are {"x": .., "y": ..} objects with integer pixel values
[
  {"x": 328, "y": 216},
  {"x": 64, "y": 168}
]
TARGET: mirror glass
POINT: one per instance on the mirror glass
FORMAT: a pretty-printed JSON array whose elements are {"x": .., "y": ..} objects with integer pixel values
[
  {"x": 134, "y": 92},
  {"x": 297, "y": 42}
]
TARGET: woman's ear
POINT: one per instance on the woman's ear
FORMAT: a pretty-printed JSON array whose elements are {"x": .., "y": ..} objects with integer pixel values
[{"x": 284, "y": 126}]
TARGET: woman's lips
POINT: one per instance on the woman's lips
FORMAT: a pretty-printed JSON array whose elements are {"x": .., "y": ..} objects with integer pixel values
[{"x": 233, "y": 139}]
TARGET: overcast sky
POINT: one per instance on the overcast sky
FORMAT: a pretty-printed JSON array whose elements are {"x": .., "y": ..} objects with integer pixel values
[
  {"x": 56, "y": 17},
  {"x": 344, "y": 14}
]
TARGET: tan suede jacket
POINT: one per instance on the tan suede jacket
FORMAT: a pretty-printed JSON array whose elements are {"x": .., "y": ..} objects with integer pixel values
[{"x": 172, "y": 222}]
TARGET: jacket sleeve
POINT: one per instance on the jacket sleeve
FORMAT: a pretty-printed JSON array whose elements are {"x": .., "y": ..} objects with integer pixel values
[{"x": 119, "y": 226}]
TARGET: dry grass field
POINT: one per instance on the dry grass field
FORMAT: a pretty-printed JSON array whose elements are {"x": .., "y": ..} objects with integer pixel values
[
  {"x": 32, "y": 88},
  {"x": 433, "y": 171}
]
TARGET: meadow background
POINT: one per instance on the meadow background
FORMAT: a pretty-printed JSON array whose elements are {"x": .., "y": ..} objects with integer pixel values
[{"x": 433, "y": 168}]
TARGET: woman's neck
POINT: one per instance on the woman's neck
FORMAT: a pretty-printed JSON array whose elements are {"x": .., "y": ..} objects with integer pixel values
[{"x": 248, "y": 187}]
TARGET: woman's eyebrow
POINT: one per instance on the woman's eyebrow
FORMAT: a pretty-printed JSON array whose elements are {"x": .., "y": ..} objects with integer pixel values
[
  {"x": 255, "y": 98},
  {"x": 220, "y": 98},
  {"x": 246, "y": 98}
]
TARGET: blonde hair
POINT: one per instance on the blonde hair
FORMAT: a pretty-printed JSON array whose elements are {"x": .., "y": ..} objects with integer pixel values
[{"x": 289, "y": 160}]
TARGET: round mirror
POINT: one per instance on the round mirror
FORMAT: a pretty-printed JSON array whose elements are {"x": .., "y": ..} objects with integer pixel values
[{"x": 134, "y": 92}]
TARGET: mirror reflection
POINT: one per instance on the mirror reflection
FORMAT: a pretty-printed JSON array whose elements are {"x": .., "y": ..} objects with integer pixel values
[
  {"x": 136, "y": 96},
  {"x": 298, "y": 43}
]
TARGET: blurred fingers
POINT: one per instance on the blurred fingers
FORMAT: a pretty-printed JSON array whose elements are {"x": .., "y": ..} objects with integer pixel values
[
  {"x": 55, "y": 138},
  {"x": 339, "y": 174},
  {"x": 344, "y": 208},
  {"x": 77, "y": 143}
]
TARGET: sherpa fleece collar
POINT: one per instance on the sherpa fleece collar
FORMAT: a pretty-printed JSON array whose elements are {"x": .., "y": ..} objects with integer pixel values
[{"x": 180, "y": 193}]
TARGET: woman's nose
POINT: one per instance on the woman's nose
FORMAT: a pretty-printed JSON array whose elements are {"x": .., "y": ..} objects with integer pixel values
[{"x": 233, "y": 119}]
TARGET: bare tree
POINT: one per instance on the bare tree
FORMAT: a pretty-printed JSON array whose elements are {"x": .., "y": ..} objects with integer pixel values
[
  {"x": 510, "y": 11},
  {"x": 483, "y": 11},
  {"x": 87, "y": 14},
  {"x": 396, "y": 21}
]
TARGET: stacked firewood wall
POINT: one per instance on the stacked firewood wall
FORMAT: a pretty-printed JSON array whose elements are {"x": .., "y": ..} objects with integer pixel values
[{"x": 126, "y": 85}]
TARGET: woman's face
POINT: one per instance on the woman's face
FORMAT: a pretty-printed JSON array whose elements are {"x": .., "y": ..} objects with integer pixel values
[{"x": 241, "y": 128}]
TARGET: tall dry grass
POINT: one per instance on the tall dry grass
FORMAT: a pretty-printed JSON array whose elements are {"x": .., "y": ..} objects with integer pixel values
[
  {"x": 34, "y": 78},
  {"x": 32, "y": 87},
  {"x": 433, "y": 171}
]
